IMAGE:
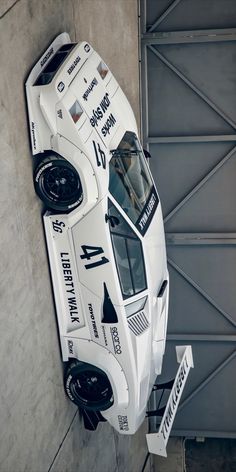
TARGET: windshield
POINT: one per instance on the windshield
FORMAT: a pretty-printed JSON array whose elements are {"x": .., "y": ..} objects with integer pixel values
[{"x": 131, "y": 182}]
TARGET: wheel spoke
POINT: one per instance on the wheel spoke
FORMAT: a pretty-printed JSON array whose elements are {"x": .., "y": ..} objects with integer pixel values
[
  {"x": 92, "y": 387},
  {"x": 56, "y": 171}
]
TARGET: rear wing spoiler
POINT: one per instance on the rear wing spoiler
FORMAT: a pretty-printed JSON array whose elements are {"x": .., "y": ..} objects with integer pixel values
[{"x": 157, "y": 442}]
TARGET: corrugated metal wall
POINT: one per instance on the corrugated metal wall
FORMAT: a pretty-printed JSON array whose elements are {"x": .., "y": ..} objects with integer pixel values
[{"x": 189, "y": 126}]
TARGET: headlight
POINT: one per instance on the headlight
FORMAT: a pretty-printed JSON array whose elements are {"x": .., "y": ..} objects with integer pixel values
[
  {"x": 76, "y": 111},
  {"x": 103, "y": 69}
]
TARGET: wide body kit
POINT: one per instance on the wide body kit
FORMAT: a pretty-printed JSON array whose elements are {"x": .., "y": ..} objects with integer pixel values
[{"x": 107, "y": 251}]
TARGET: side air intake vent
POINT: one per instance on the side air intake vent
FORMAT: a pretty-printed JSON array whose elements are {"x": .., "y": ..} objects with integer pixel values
[{"x": 138, "y": 323}]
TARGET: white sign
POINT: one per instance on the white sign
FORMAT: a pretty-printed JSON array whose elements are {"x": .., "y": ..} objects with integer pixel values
[{"x": 157, "y": 441}]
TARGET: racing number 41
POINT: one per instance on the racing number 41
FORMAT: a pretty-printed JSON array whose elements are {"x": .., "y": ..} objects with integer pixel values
[{"x": 89, "y": 252}]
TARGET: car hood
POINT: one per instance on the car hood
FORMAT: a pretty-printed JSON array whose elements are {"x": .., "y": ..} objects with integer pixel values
[
  {"x": 102, "y": 100},
  {"x": 95, "y": 99}
]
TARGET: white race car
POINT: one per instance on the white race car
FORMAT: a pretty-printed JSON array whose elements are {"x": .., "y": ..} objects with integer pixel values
[{"x": 104, "y": 233}]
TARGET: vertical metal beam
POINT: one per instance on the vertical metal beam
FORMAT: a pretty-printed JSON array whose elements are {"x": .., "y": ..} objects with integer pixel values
[
  {"x": 193, "y": 87},
  {"x": 200, "y": 184},
  {"x": 144, "y": 88},
  {"x": 142, "y": 5},
  {"x": 202, "y": 292},
  {"x": 164, "y": 15}
]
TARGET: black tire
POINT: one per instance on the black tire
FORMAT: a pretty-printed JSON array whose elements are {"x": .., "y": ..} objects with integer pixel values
[
  {"x": 57, "y": 184},
  {"x": 88, "y": 386}
]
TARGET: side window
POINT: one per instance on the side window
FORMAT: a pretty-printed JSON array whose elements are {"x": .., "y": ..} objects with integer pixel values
[{"x": 128, "y": 254}]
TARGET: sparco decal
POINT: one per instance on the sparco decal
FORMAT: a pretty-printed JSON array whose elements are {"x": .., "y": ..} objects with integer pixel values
[
  {"x": 100, "y": 111},
  {"x": 123, "y": 423},
  {"x": 60, "y": 86},
  {"x": 73, "y": 65},
  {"x": 33, "y": 134},
  {"x": 92, "y": 317},
  {"x": 146, "y": 216},
  {"x": 69, "y": 285},
  {"x": 90, "y": 89},
  {"x": 46, "y": 57},
  {"x": 116, "y": 340}
]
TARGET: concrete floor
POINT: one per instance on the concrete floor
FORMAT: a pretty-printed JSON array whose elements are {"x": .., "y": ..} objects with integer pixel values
[
  {"x": 40, "y": 430},
  {"x": 175, "y": 457}
]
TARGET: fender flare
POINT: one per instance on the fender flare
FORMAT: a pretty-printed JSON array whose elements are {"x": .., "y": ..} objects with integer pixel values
[{"x": 88, "y": 351}]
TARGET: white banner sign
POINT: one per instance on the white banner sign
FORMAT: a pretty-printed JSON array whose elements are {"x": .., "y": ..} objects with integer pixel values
[{"x": 157, "y": 441}]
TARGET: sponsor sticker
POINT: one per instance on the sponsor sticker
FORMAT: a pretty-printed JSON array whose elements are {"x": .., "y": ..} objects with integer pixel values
[
  {"x": 72, "y": 303},
  {"x": 116, "y": 340},
  {"x": 157, "y": 441},
  {"x": 90, "y": 89},
  {"x": 46, "y": 57},
  {"x": 145, "y": 218},
  {"x": 73, "y": 65},
  {"x": 86, "y": 47},
  {"x": 93, "y": 321},
  {"x": 59, "y": 114},
  {"x": 37, "y": 177},
  {"x": 123, "y": 423},
  {"x": 58, "y": 226},
  {"x": 70, "y": 346},
  {"x": 104, "y": 335},
  {"x": 60, "y": 87},
  {"x": 33, "y": 134},
  {"x": 99, "y": 113}
]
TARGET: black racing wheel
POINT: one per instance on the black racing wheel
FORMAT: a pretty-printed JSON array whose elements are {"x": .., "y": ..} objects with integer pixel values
[
  {"x": 57, "y": 184},
  {"x": 88, "y": 386}
]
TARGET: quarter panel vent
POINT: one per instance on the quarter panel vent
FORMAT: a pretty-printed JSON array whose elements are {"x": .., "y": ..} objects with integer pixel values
[{"x": 138, "y": 323}]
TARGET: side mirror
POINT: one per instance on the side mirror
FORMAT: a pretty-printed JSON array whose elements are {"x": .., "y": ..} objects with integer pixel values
[
  {"x": 113, "y": 220},
  {"x": 147, "y": 154}
]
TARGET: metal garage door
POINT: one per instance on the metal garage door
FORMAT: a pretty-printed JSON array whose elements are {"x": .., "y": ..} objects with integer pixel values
[{"x": 189, "y": 126}]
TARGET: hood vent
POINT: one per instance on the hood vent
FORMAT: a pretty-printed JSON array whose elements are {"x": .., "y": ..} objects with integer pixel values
[{"x": 138, "y": 323}]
